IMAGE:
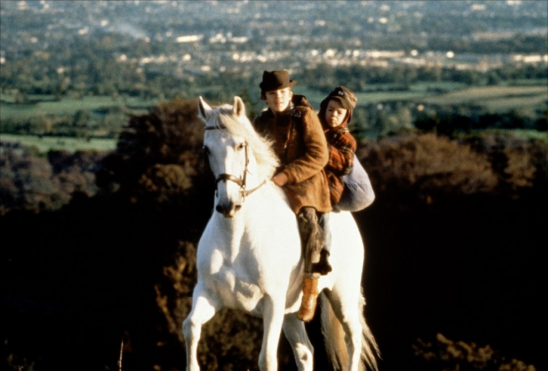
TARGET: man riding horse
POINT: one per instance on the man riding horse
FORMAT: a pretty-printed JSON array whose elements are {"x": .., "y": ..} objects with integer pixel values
[{"x": 299, "y": 142}]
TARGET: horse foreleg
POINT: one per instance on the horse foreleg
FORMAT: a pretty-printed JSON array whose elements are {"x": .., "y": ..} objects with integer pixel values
[
  {"x": 203, "y": 309},
  {"x": 273, "y": 315},
  {"x": 295, "y": 332}
]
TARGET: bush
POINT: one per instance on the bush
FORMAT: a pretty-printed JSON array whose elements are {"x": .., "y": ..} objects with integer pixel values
[
  {"x": 425, "y": 168},
  {"x": 36, "y": 184},
  {"x": 156, "y": 154},
  {"x": 449, "y": 355},
  {"x": 520, "y": 163}
]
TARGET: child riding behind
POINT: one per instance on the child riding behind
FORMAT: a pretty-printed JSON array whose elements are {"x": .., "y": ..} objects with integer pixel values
[{"x": 335, "y": 114}]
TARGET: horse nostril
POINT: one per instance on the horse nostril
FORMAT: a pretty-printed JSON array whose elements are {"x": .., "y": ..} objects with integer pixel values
[{"x": 228, "y": 210}]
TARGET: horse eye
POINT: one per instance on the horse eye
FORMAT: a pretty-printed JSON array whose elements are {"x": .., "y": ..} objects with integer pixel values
[
  {"x": 206, "y": 150},
  {"x": 240, "y": 146}
]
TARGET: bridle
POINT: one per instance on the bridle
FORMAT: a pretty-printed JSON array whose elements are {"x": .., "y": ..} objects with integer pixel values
[{"x": 241, "y": 181}]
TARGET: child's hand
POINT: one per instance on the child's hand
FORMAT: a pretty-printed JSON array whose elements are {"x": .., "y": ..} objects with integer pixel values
[{"x": 280, "y": 179}]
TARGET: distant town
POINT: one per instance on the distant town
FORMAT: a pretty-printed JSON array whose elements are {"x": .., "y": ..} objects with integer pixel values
[
  {"x": 78, "y": 68},
  {"x": 212, "y": 37}
]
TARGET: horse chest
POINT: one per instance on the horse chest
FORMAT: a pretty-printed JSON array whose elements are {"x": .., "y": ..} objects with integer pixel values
[{"x": 235, "y": 284}]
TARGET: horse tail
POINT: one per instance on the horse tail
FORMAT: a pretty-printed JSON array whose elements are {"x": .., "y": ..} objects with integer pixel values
[
  {"x": 370, "y": 349},
  {"x": 334, "y": 338},
  {"x": 333, "y": 334}
]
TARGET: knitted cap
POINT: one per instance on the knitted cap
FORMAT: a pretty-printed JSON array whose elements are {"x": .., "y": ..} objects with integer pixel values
[{"x": 345, "y": 96}]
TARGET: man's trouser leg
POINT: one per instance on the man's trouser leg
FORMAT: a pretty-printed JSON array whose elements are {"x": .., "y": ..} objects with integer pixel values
[
  {"x": 312, "y": 239},
  {"x": 323, "y": 267}
]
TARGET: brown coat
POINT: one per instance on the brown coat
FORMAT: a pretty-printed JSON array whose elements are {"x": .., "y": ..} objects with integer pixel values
[{"x": 300, "y": 144}]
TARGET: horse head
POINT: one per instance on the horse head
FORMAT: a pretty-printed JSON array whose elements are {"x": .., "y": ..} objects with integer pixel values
[{"x": 229, "y": 156}]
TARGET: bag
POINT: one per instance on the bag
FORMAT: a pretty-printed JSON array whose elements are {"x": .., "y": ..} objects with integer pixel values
[{"x": 358, "y": 192}]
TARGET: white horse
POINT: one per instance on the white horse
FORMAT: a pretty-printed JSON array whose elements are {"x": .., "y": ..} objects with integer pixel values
[{"x": 249, "y": 256}]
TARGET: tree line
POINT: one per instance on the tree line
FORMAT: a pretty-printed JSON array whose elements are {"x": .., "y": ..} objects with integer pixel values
[{"x": 150, "y": 145}]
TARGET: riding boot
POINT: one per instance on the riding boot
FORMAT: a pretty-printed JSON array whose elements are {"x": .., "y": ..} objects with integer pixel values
[
  {"x": 312, "y": 239},
  {"x": 310, "y": 296}
]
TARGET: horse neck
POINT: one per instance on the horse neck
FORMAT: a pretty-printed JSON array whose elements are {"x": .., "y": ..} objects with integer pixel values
[
  {"x": 233, "y": 232},
  {"x": 256, "y": 178},
  {"x": 230, "y": 233}
]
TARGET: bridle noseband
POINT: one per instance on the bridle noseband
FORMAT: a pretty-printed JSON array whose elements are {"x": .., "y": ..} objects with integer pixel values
[{"x": 241, "y": 181}]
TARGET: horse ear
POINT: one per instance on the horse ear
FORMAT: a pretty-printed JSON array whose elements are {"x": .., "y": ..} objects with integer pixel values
[
  {"x": 239, "y": 106},
  {"x": 204, "y": 109}
]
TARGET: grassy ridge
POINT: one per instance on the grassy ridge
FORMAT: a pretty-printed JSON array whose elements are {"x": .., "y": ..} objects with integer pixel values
[
  {"x": 495, "y": 98},
  {"x": 44, "y": 106},
  {"x": 45, "y": 144}
]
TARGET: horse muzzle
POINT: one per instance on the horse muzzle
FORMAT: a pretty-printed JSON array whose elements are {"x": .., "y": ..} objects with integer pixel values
[
  {"x": 228, "y": 209},
  {"x": 226, "y": 206}
]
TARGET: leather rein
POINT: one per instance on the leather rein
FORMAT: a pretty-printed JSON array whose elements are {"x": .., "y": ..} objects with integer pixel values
[{"x": 241, "y": 181}]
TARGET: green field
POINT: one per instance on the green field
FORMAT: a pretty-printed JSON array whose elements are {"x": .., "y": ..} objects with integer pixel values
[
  {"x": 493, "y": 98},
  {"x": 315, "y": 97},
  {"x": 45, "y": 106},
  {"x": 497, "y": 99},
  {"x": 45, "y": 144},
  {"x": 527, "y": 94}
]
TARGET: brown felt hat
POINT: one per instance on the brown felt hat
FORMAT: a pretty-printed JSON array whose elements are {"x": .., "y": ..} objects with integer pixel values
[
  {"x": 345, "y": 96},
  {"x": 274, "y": 80}
]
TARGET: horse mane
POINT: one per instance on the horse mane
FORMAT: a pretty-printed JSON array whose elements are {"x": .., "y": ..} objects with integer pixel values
[{"x": 267, "y": 161}]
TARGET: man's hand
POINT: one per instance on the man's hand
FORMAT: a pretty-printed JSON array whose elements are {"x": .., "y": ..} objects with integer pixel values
[{"x": 280, "y": 179}]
